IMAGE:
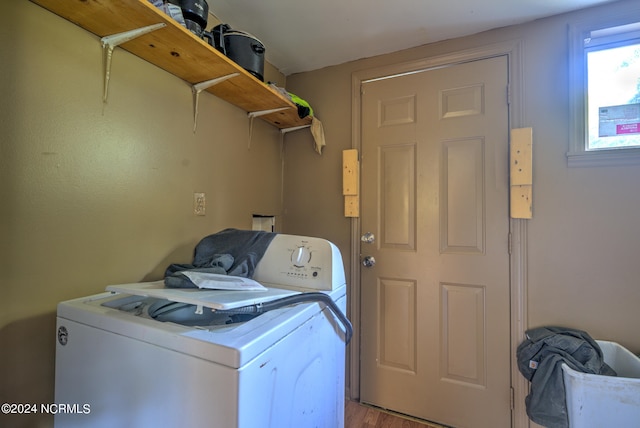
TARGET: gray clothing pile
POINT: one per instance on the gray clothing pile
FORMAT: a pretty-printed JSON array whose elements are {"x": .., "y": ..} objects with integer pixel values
[
  {"x": 540, "y": 359},
  {"x": 228, "y": 252}
]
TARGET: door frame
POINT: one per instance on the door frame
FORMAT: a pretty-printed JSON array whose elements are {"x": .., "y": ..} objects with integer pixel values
[{"x": 517, "y": 228}]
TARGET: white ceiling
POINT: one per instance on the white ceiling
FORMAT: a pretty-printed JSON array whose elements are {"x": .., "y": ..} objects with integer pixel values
[{"x": 304, "y": 35}]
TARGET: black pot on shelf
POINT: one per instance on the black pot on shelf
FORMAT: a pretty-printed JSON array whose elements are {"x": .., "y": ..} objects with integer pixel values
[
  {"x": 195, "y": 13},
  {"x": 241, "y": 47}
]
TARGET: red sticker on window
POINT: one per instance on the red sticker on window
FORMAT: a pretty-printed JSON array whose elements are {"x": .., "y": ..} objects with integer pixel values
[{"x": 628, "y": 128}]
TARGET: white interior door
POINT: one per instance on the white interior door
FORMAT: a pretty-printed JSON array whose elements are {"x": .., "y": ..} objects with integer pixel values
[{"x": 435, "y": 315}]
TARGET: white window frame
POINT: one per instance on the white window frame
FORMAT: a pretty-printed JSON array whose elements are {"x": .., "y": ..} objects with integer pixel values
[{"x": 578, "y": 154}]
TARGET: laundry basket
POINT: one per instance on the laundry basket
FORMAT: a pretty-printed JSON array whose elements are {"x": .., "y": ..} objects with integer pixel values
[{"x": 596, "y": 401}]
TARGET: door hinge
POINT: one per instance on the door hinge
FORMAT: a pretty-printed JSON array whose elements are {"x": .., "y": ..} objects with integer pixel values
[
  {"x": 509, "y": 242},
  {"x": 508, "y": 94},
  {"x": 513, "y": 398}
]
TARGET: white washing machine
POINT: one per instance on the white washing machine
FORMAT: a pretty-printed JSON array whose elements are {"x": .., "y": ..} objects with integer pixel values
[{"x": 118, "y": 366}]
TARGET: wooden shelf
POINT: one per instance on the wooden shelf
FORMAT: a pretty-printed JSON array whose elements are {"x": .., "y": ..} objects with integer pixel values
[{"x": 177, "y": 51}]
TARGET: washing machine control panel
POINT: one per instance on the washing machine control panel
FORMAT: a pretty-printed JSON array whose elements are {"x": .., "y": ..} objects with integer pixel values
[{"x": 304, "y": 263}]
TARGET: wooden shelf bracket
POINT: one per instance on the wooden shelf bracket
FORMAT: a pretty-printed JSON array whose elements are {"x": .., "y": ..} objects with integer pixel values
[
  {"x": 109, "y": 43},
  {"x": 199, "y": 87}
]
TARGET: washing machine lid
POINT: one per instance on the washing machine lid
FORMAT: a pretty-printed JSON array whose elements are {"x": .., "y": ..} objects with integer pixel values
[
  {"x": 233, "y": 345},
  {"x": 203, "y": 298},
  {"x": 291, "y": 264}
]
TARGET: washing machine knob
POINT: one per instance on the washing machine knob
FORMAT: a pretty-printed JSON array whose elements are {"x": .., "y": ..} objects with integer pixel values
[{"x": 300, "y": 256}]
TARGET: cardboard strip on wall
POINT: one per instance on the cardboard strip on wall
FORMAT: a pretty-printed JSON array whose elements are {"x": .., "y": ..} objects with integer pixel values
[
  {"x": 521, "y": 173},
  {"x": 351, "y": 182}
]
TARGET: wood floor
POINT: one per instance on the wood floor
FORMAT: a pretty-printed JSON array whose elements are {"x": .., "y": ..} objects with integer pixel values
[{"x": 359, "y": 416}]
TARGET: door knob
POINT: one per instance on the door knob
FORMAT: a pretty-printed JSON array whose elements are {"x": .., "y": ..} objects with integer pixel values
[
  {"x": 368, "y": 261},
  {"x": 368, "y": 238}
]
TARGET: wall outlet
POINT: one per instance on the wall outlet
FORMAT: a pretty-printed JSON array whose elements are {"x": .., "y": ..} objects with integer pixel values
[{"x": 199, "y": 204}]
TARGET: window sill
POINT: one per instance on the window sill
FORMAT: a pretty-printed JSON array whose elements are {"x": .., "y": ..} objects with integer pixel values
[{"x": 618, "y": 157}]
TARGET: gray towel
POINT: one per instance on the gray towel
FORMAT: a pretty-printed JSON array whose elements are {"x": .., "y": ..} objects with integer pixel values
[{"x": 230, "y": 251}]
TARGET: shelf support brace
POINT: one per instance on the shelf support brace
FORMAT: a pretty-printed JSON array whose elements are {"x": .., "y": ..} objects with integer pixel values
[
  {"x": 109, "y": 43},
  {"x": 294, "y": 128},
  {"x": 265, "y": 112},
  {"x": 254, "y": 114},
  {"x": 199, "y": 87},
  {"x": 284, "y": 131}
]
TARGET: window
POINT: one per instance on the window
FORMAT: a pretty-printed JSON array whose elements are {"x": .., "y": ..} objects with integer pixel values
[{"x": 605, "y": 91}]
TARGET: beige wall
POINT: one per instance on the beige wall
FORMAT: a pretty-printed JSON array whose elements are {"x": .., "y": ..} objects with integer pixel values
[
  {"x": 91, "y": 196},
  {"x": 583, "y": 268}
]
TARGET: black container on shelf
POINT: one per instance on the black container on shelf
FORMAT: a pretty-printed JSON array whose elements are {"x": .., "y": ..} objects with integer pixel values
[
  {"x": 241, "y": 47},
  {"x": 195, "y": 13}
]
